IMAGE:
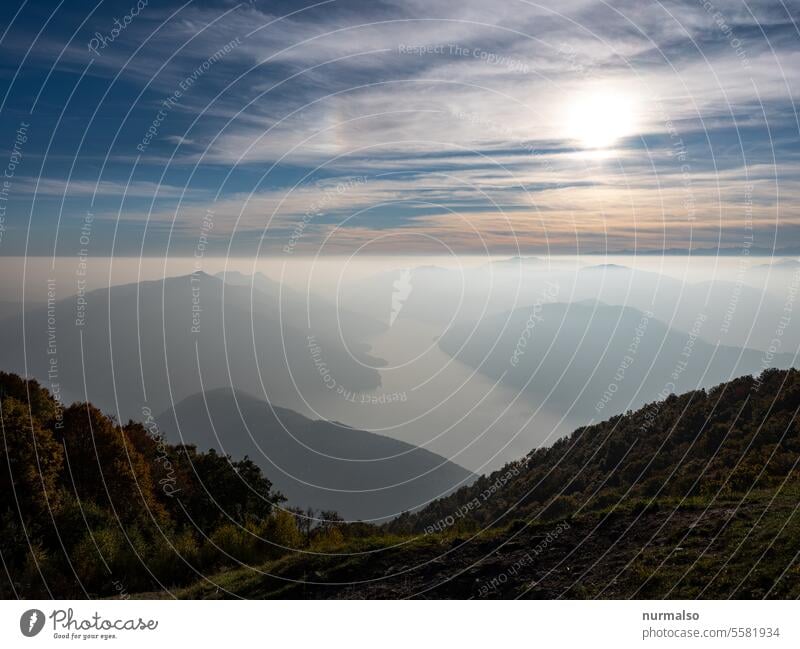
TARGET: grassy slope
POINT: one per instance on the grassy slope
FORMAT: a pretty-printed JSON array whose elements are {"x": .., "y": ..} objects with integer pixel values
[{"x": 733, "y": 548}]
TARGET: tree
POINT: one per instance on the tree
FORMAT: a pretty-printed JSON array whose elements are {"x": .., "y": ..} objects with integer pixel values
[
  {"x": 104, "y": 467},
  {"x": 305, "y": 521},
  {"x": 30, "y": 462},
  {"x": 214, "y": 489},
  {"x": 281, "y": 529}
]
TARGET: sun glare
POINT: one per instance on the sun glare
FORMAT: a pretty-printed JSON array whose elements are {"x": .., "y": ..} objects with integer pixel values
[{"x": 598, "y": 120}]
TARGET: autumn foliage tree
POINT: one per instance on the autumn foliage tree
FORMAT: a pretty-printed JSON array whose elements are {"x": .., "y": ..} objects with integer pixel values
[{"x": 87, "y": 504}]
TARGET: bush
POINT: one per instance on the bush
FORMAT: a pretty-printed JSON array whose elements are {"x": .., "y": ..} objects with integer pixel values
[
  {"x": 231, "y": 544},
  {"x": 282, "y": 531}
]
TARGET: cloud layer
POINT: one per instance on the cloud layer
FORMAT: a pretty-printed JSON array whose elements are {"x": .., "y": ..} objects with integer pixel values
[{"x": 455, "y": 114}]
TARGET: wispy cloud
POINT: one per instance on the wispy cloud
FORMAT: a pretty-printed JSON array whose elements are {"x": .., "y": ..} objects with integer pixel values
[{"x": 463, "y": 105}]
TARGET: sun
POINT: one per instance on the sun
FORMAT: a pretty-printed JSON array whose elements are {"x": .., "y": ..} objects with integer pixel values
[{"x": 597, "y": 120}]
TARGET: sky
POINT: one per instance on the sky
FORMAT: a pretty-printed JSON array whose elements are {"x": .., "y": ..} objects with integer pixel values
[{"x": 446, "y": 127}]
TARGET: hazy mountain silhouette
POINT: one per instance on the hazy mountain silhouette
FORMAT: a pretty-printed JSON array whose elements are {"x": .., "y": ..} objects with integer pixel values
[
  {"x": 297, "y": 308},
  {"x": 573, "y": 354},
  {"x": 785, "y": 264},
  {"x": 154, "y": 343},
  {"x": 736, "y": 312},
  {"x": 312, "y": 462}
]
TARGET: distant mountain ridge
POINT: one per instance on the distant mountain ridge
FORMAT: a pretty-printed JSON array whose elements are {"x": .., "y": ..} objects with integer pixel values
[
  {"x": 754, "y": 251},
  {"x": 602, "y": 358},
  {"x": 155, "y": 342},
  {"x": 362, "y": 475}
]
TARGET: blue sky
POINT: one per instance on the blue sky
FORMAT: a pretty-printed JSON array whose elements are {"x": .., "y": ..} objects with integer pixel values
[{"x": 404, "y": 126}]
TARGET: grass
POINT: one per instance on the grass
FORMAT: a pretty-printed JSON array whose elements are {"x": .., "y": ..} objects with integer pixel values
[{"x": 744, "y": 547}]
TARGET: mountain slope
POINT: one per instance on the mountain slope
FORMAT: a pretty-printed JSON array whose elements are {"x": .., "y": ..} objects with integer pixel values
[
  {"x": 693, "y": 496},
  {"x": 176, "y": 337},
  {"x": 330, "y": 466},
  {"x": 296, "y": 307},
  {"x": 739, "y": 435},
  {"x": 596, "y": 359}
]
